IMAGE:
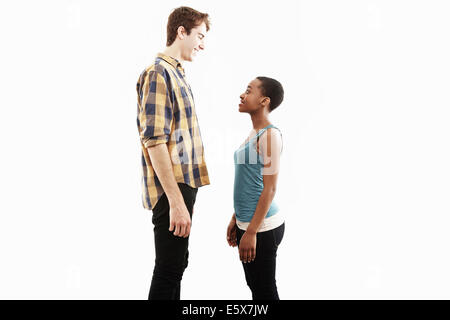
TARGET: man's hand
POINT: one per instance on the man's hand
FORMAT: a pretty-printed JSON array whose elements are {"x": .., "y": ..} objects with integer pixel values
[
  {"x": 247, "y": 247},
  {"x": 180, "y": 221},
  {"x": 231, "y": 233}
]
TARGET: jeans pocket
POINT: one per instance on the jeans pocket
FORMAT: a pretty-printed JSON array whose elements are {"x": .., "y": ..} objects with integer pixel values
[
  {"x": 161, "y": 209},
  {"x": 278, "y": 234},
  {"x": 274, "y": 238}
]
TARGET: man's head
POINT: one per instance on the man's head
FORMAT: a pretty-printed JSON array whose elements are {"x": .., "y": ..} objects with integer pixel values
[
  {"x": 186, "y": 28},
  {"x": 262, "y": 92}
]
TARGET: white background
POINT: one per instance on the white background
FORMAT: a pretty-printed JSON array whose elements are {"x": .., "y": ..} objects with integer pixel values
[{"x": 364, "y": 183}]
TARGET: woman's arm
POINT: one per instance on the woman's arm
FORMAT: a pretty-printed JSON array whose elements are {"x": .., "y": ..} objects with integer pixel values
[
  {"x": 231, "y": 232},
  {"x": 269, "y": 146}
]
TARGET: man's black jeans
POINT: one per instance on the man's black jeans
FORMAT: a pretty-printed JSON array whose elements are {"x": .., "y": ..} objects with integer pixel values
[
  {"x": 171, "y": 251},
  {"x": 260, "y": 273}
]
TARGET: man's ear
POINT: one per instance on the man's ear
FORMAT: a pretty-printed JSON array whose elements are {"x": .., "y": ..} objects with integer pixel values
[{"x": 181, "y": 32}]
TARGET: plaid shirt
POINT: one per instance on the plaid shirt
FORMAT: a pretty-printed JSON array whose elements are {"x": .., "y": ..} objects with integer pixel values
[{"x": 166, "y": 114}]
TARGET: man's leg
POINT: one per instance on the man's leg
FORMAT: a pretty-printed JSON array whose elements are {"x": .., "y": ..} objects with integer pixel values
[
  {"x": 178, "y": 288},
  {"x": 171, "y": 251}
]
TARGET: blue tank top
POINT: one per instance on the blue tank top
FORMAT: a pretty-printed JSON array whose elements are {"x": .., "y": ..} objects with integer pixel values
[{"x": 248, "y": 180}]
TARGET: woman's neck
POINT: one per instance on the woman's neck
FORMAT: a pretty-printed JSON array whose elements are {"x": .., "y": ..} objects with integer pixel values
[{"x": 260, "y": 121}]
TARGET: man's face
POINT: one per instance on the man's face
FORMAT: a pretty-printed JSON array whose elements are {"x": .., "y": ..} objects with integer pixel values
[
  {"x": 194, "y": 42},
  {"x": 251, "y": 99}
]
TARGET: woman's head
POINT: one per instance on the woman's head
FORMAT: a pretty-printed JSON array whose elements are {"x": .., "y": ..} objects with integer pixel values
[{"x": 262, "y": 92}]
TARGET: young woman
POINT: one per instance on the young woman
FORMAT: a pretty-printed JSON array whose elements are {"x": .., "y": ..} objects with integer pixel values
[{"x": 257, "y": 227}]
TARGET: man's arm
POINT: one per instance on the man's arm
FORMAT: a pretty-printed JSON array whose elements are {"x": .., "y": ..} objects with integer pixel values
[
  {"x": 155, "y": 118},
  {"x": 179, "y": 215}
]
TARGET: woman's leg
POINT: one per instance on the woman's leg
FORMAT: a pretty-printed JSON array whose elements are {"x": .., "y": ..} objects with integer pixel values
[{"x": 260, "y": 273}]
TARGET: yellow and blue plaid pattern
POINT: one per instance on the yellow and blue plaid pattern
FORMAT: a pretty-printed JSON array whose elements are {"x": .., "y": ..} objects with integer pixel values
[{"x": 166, "y": 114}]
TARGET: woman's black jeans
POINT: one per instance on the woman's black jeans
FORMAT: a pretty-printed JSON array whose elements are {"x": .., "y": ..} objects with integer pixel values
[
  {"x": 260, "y": 273},
  {"x": 171, "y": 251}
]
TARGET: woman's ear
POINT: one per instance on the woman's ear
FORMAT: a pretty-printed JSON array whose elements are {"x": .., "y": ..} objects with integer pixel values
[{"x": 265, "y": 101}]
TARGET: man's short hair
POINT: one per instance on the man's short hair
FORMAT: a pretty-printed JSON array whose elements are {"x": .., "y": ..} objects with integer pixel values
[
  {"x": 273, "y": 89},
  {"x": 188, "y": 18}
]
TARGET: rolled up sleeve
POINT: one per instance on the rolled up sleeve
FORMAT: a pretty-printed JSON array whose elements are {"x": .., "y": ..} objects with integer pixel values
[{"x": 155, "y": 110}]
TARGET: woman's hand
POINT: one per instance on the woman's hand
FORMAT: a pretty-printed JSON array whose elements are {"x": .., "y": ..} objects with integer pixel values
[
  {"x": 231, "y": 232},
  {"x": 247, "y": 247}
]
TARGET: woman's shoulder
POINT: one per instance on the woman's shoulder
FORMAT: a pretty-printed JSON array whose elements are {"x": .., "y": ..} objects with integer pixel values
[
  {"x": 270, "y": 138},
  {"x": 272, "y": 132}
]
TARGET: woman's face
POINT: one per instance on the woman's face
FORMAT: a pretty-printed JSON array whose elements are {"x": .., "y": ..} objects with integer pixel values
[{"x": 251, "y": 99}]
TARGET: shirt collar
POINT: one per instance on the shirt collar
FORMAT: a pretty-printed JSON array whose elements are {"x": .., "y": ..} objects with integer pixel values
[{"x": 174, "y": 62}]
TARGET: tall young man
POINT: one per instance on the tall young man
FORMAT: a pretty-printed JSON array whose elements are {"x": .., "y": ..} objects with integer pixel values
[{"x": 172, "y": 149}]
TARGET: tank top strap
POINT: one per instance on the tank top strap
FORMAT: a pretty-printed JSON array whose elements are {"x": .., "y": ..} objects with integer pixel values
[
  {"x": 260, "y": 132},
  {"x": 264, "y": 129}
]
